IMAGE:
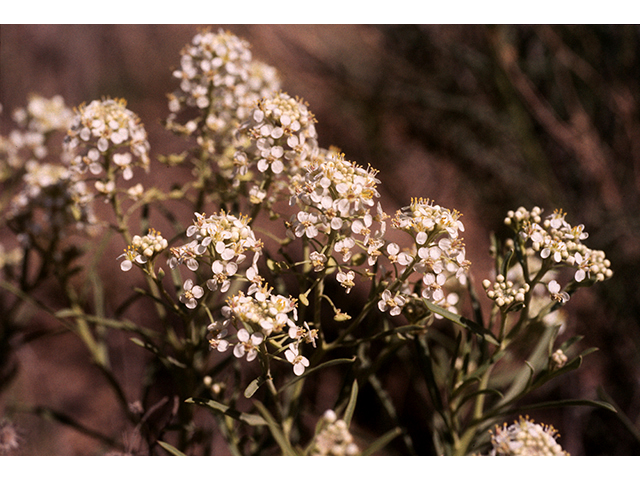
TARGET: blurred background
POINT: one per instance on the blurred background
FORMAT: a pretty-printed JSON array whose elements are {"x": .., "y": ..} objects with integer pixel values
[{"x": 482, "y": 119}]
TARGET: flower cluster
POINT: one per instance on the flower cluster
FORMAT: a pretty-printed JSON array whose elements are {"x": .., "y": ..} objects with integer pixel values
[
  {"x": 559, "y": 244},
  {"x": 52, "y": 200},
  {"x": 105, "y": 135},
  {"x": 281, "y": 139},
  {"x": 333, "y": 438},
  {"x": 437, "y": 253},
  {"x": 223, "y": 242},
  {"x": 558, "y": 359},
  {"x": 37, "y": 121},
  {"x": 143, "y": 249},
  {"x": 504, "y": 293},
  {"x": 219, "y": 86},
  {"x": 525, "y": 438},
  {"x": 336, "y": 198},
  {"x": 44, "y": 115},
  {"x": 260, "y": 314}
]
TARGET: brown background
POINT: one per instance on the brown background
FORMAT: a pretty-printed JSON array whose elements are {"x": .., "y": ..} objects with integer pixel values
[{"x": 480, "y": 119}]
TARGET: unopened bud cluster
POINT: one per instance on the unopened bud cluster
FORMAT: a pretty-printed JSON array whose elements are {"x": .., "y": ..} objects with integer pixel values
[
  {"x": 504, "y": 293},
  {"x": 558, "y": 360},
  {"x": 334, "y": 438},
  {"x": 143, "y": 249}
]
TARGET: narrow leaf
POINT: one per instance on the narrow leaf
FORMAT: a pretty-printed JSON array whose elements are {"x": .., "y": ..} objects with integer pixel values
[
  {"x": 309, "y": 371},
  {"x": 171, "y": 449},
  {"x": 382, "y": 441},
  {"x": 167, "y": 360},
  {"x": 427, "y": 372},
  {"x": 547, "y": 375},
  {"x": 463, "y": 322},
  {"x": 486, "y": 391},
  {"x": 566, "y": 403},
  {"x": 351, "y": 406},
  {"x": 248, "y": 418},
  {"x": 276, "y": 430}
]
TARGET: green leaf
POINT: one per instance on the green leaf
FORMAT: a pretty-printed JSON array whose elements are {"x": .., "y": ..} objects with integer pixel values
[
  {"x": 310, "y": 371},
  {"x": 382, "y": 441},
  {"x": 471, "y": 396},
  {"x": 565, "y": 346},
  {"x": 351, "y": 406},
  {"x": 171, "y": 449},
  {"x": 463, "y": 322},
  {"x": 626, "y": 421},
  {"x": 124, "y": 325},
  {"x": 476, "y": 375},
  {"x": 276, "y": 430},
  {"x": 565, "y": 403},
  {"x": 424, "y": 358},
  {"x": 547, "y": 375},
  {"x": 165, "y": 359},
  {"x": 248, "y": 418}
]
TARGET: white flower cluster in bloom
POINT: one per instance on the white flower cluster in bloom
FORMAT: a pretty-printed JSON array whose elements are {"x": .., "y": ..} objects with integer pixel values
[
  {"x": 438, "y": 253},
  {"x": 258, "y": 315},
  {"x": 282, "y": 138},
  {"x": 222, "y": 241},
  {"x": 52, "y": 199},
  {"x": 560, "y": 244},
  {"x": 44, "y": 115},
  {"x": 219, "y": 86},
  {"x": 336, "y": 198},
  {"x": 106, "y": 135},
  {"x": 525, "y": 438},
  {"x": 37, "y": 121},
  {"x": 333, "y": 438},
  {"x": 143, "y": 249}
]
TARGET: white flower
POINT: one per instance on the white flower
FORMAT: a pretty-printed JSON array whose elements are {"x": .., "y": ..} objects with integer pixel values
[
  {"x": 248, "y": 343},
  {"x": 218, "y": 342},
  {"x": 554, "y": 289},
  {"x": 191, "y": 294},
  {"x": 318, "y": 260},
  {"x": 293, "y": 356},
  {"x": 346, "y": 279},
  {"x": 307, "y": 225},
  {"x": 393, "y": 303},
  {"x": 344, "y": 247},
  {"x": 584, "y": 266}
]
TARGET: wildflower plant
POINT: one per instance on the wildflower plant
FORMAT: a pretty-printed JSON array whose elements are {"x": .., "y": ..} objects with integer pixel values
[{"x": 246, "y": 292}]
